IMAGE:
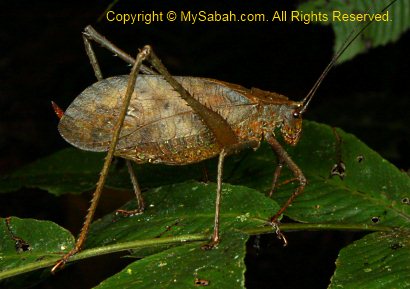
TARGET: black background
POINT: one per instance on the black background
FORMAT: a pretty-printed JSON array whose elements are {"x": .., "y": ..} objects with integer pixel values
[{"x": 43, "y": 59}]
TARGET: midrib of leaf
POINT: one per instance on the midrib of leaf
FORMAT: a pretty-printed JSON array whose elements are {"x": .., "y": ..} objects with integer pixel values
[{"x": 175, "y": 240}]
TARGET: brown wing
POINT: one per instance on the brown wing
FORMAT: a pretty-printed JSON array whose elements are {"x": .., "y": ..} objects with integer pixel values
[{"x": 157, "y": 117}]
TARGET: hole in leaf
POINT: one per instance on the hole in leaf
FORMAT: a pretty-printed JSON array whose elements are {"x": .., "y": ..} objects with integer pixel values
[
  {"x": 375, "y": 220},
  {"x": 338, "y": 169},
  {"x": 360, "y": 158}
]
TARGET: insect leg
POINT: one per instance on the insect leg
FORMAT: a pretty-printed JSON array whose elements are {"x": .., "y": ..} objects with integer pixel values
[
  {"x": 138, "y": 194},
  {"x": 91, "y": 34},
  {"x": 284, "y": 157},
  {"x": 276, "y": 175},
  {"x": 215, "y": 236},
  {"x": 98, "y": 74},
  {"x": 107, "y": 162},
  {"x": 93, "y": 58},
  {"x": 232, "y": 149}
]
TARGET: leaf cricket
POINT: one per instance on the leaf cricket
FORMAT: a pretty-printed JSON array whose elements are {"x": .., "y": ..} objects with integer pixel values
[{"x": 157, "y": 118}]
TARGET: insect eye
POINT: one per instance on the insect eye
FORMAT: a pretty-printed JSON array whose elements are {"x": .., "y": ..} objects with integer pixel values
[{"x": 296, "y": 114}]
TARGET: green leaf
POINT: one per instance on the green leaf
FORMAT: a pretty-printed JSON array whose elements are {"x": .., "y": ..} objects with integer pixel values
[
  {"x": 74, "y": 171},
  {"x": 68, "y": 170},
  {"x": 26, "y": 244},
  {"x": 184, "y": 266},
  {"x": 372, "y": 187},
  {"x": 379, "y": 260},
  {"x": 378, "y": 33},
  {"x": 183, "y": 209},
  {"x": 175, "y": 215},
  {"x": 372, "y": 191}
]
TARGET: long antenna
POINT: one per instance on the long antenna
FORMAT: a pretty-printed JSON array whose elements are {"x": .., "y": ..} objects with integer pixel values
[{"x": 349, "y": 40}]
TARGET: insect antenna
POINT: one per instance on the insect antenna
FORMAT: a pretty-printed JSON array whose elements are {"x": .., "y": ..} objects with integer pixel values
[{"x": 348, "y": 41}]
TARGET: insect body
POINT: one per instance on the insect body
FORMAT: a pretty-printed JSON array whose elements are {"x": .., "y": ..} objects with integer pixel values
[
  {"x": 160, "y": 127},
  {"x": 159, "y": 118},
  {"x": 173, "y": 120}
]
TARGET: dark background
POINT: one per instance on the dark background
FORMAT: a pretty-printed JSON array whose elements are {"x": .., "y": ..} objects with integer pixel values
[{"x": 43, "y": 59}]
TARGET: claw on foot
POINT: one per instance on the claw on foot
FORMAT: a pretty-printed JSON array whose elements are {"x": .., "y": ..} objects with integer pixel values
[
  {"x": 209, "y": 246},
  {"x": 275, "y": 226}
]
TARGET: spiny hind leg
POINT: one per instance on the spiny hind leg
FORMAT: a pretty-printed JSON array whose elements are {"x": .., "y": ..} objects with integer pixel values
[
  {"x": 88, "y": 35},
  {"x": 107, "y": 162}
]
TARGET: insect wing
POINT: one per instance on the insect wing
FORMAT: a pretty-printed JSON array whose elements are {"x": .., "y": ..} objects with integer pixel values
[{"x": 156, "y": 113}]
